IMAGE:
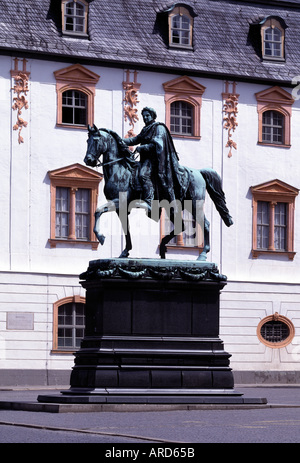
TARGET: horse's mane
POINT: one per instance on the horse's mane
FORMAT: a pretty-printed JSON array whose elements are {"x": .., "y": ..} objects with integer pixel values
[{"x": 123, "y": 149}]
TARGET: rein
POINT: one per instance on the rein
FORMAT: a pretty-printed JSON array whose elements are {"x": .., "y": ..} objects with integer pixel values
[{"x": 103, "y": 164}]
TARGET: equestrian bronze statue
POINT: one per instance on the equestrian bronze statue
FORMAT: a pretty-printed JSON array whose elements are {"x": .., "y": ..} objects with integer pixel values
[{"x": 155, "y": 182}]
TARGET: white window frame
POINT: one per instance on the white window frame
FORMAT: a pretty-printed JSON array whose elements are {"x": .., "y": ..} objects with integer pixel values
[
  {"x": 181, "y": 11},
  {"x": 64, "y": 5},
  {"x": 272, "y": 23}
]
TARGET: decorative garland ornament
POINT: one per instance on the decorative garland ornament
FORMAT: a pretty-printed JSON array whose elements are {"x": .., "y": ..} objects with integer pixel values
[
  {"x": 144, "y": 269},
  {"x": 230, "y": 110},
  {"x": 20, "y": 89}
]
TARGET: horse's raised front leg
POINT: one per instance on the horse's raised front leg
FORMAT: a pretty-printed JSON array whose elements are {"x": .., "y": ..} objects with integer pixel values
[{"x": 110, "y": 206}]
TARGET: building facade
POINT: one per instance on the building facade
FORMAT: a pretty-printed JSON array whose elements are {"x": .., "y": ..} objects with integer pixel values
[{"x": 224, "y": 77}]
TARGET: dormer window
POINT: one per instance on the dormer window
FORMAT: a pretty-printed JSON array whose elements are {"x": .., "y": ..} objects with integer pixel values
[
  {"x": 74, "y": 17},
  {"x": 180, "y": 30},
  {"x": 267, "y": 36},
  {"x": 272, "y": 38},
  {"x": 272, "y": 42},
  {"x": 181, "y": 24}
]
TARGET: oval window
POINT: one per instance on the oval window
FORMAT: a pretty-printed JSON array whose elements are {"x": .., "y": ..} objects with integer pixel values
[{"x": 275, "y": 331}]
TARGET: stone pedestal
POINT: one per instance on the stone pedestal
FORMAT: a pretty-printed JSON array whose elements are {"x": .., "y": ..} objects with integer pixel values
[{"x": 152, "y": 335}]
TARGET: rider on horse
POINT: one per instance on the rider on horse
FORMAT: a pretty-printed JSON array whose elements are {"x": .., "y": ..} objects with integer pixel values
[
  {"x": 172, "y": 183},
  {"x": 161, "y": 175}
]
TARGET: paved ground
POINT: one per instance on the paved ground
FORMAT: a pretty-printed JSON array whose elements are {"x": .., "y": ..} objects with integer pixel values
[{"x": 279, "y": 422}]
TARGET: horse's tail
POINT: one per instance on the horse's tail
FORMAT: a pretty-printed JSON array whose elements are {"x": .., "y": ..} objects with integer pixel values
[{"x": 214, "y": 187}]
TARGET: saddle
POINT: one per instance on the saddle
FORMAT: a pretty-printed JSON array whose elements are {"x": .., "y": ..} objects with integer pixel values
[
  {"x": 136, "y": 184},
  {"x": 135, "y": 167}
]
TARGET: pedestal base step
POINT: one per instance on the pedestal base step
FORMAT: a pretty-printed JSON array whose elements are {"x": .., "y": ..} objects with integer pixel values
[{"x": 127, "y": 396}]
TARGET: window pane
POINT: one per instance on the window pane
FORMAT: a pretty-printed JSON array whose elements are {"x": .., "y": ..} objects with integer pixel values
[
  {"x": 185, "y": 22},
  {"x": 82, "y": 200},
  {"x": 62, "y": 199},
  {"x": 75, "y": 17},
  {"x": 180, "y": 30},
  {"x": 275, "y": 331},
  {"x": 181, "y": 118},
  {"x": 189, "y": 235},
  {"x": 185, "y": 38},
  {"x": 276, "y": 49},
  {"x": 176, "y": 37},
  {"x": 67, "y": 115},
  {"x": 267, "y": 117},
  {"x": 276, "y": 34},
  {"x": 67, "y": 98},
  {"x": 262, "y": 225},
  {"x": 74, "y": 107},
  {"x": 69, "y": 24},
  {"x": 80, "y": 116},
  {"x": 79, "y": 333},
  {"x": 267, "y": 134},
  {"x": 71, "y": 322},
  {"x": 176, "y": 22},
  {"x": 176, "y": 108},
  {"x": 79, "y": 99},
  {"x": 272, "y": 42},
  {"x": 268, "y": 34},
  {"x": 79, "y": 9},
  {"x": 280, "y": 226},
  {"x": 82, "y": 213},
  {"x": 70, "y": 8},
  {"x": 62, "y": 213},
  {"x": 79, "y": 320},
  {"x": 64, "y": 337},
  {"x": 272, "y": 127}
]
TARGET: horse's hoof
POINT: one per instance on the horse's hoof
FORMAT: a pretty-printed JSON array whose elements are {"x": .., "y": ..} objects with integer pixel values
[
  {"x": 101, "y": 238},
  {"x": 123, "y": 254},
  {"x": 162, "y": 251},
  {"x": 228, "y": 221}
]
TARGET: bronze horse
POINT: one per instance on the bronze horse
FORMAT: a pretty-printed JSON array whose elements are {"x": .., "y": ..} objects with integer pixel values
[{"x": 121, "y": 189}]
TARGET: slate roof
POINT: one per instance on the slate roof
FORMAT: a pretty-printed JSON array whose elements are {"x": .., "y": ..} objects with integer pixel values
[{"x": 133, "y": 33}]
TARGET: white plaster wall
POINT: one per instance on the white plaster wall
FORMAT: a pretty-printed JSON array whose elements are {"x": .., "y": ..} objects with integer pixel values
[
  {"x": 251, "y": 165},
  {"x": 33, "y": 293},
  {"x": 34, "y": 276},
  {"x": 243, "y": 306},
  {"x": 5, "y": 171},
  {"x": 47, "y": 147}
]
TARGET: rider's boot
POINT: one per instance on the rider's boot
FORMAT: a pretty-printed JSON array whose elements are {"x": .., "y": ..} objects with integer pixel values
[{"x": 148, "y": 196}]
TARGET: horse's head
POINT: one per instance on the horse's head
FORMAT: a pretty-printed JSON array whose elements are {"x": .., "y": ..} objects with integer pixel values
[{"x": 94, "y": 146}]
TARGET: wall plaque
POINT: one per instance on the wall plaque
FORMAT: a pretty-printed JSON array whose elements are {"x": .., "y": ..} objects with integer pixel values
[{"x": 19, "y": 321}]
